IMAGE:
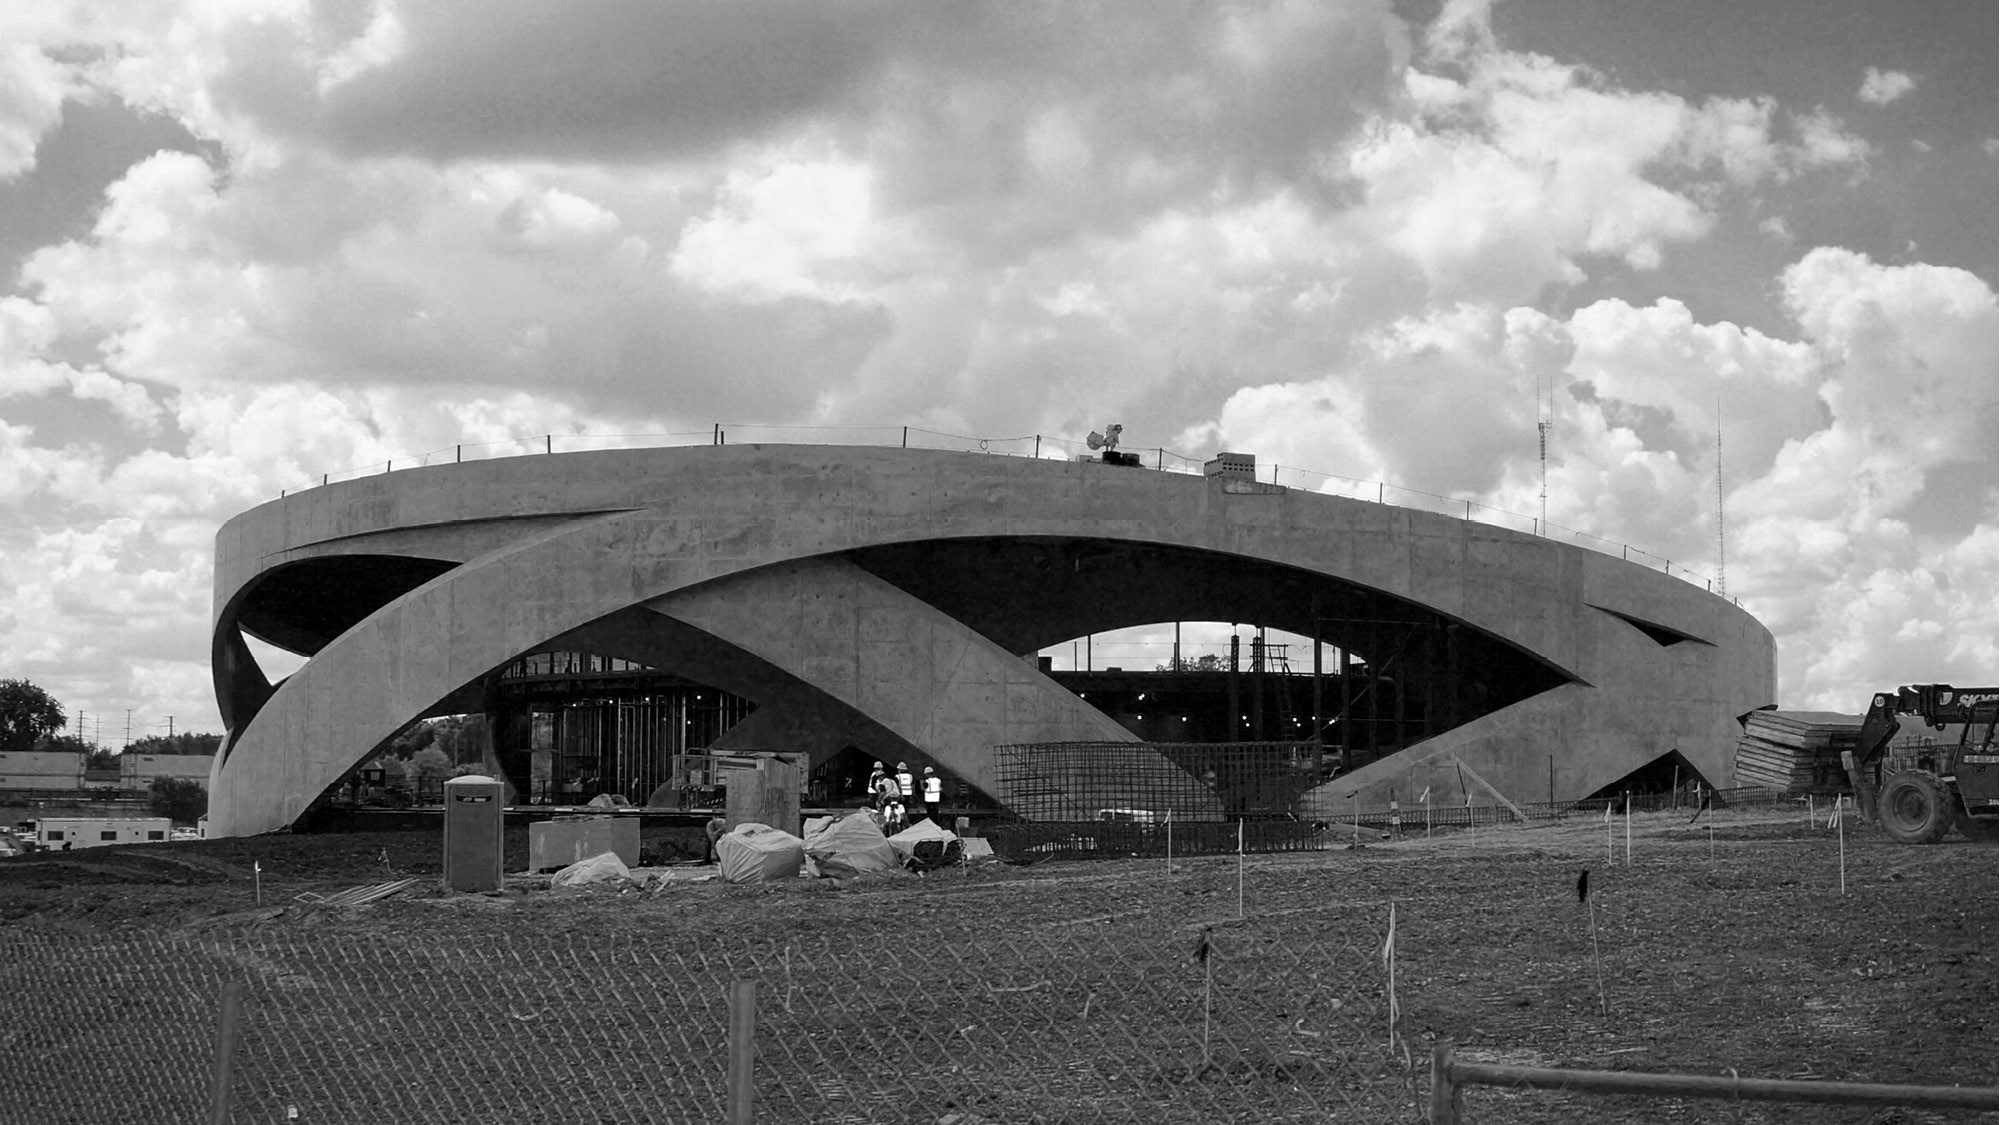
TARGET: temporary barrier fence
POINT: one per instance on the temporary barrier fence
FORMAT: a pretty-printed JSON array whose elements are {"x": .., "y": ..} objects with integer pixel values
[{"x": 1255, "y": 1020}]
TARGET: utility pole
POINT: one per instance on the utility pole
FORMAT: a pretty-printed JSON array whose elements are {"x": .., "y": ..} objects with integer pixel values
[{"x": 170, "y": 727}]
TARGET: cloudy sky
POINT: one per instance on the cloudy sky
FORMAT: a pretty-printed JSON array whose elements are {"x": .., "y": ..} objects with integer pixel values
[{"x": 245, "y": 243}]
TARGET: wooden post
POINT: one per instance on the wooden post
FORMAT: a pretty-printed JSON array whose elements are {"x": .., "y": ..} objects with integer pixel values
[
  {"x": 1840, "y": 826},
  {"x": 742, "y": 1050},
  {"x": 1445, "y": 1102},
  {"x": 225, "y": 1052}
]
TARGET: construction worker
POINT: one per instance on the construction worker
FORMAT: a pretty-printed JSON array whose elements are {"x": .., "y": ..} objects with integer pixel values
[
  {"x": 875, "y": 792},
  {"x": 906, "y": 783},
  {"x": 933, "y": 794}
]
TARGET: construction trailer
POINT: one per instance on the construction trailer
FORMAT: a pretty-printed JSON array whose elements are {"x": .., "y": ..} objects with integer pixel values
[{"x": 60, "y": 833}]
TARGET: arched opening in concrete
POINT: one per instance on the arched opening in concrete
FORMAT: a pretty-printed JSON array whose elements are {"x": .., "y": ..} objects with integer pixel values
[
  {"x": 1668, "y": 776},
  {"x": 302, "y": 606},
  {"x": 1392, "y": 672},
  {"x": 294, "y": 610}
]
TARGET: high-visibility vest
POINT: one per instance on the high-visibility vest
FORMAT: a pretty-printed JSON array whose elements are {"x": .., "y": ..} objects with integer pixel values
[
  {"x": 907, "y": 783},
  {"x": 933, "y": 789}
]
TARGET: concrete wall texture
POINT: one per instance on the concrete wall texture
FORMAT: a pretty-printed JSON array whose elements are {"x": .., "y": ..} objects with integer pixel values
[{"x": 760, "y": 570}]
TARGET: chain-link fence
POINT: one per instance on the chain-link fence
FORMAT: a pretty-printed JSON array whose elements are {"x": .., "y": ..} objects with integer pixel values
[{"x": 1240, "y": 1021}]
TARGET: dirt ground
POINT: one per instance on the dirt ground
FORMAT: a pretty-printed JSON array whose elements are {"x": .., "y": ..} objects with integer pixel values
[{"x": 1726, "y": 943}]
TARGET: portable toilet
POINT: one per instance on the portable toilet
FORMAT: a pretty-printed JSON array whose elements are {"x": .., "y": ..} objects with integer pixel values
[{"x": 473, "y": 807}]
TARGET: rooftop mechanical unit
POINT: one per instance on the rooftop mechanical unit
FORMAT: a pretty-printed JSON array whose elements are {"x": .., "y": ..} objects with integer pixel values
[{"x": 1237, "y": 466}]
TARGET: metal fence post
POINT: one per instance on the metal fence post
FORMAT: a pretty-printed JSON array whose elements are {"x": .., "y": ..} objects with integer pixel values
[
  {"x": 742, "y": 1050},
  {"x": 225, "y": 1052},
  {"x": 1445, "y": 1102},
  {"x": 906, "y": 437}
]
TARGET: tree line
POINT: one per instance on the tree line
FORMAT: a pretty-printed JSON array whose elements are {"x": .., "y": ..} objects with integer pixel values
[
  {"x": 431, "y": 750},
  {"x": 32, "y": 720}
]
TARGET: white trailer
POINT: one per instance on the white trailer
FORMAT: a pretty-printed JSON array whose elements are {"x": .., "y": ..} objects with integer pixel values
[{"x": 64, "y": 833}]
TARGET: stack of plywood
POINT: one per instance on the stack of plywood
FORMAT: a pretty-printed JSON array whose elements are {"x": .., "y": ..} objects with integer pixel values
[{"x": 1795, "y": 751}]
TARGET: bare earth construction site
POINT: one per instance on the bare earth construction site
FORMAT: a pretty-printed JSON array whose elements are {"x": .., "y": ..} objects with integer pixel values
[{"x": 1060, "y": 992}]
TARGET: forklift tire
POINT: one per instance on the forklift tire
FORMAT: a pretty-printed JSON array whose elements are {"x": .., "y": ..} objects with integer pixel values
[
  {"x": 1915, "y": 808},
  {"x": 1977, "y": 828}
]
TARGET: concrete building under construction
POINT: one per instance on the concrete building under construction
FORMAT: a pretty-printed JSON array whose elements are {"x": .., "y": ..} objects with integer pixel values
[{"x": 613, "y": 611}]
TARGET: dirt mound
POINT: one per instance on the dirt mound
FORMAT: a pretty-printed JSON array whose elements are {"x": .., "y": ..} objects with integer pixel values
[{"x": 109, "y": 865}]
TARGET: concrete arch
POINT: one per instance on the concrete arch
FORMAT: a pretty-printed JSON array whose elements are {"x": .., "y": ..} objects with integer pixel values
[{"x": 726, "y": 541}]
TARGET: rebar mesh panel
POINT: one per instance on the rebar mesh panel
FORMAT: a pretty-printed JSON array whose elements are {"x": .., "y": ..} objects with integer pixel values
[{"x": 1143, "y": 782}]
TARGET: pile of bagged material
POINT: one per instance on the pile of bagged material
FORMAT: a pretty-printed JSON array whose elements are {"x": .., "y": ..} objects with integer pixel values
[
  {"x": 840, "y": 847},
  {"x": 924, "y": 845},
  {"x": 758, "y": 853}
]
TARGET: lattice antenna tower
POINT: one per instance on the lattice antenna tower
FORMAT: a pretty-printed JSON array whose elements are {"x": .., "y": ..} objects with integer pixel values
[
  {"x": 1542, "y": 426},
  {"x": 1721, "y": 541}
]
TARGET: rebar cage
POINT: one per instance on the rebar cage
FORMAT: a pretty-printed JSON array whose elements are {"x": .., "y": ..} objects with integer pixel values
[{"x": 1139, "y": 798}]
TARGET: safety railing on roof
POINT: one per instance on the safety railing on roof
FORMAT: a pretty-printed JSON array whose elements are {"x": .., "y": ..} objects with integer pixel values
[{"x": 1040, "y": 446}]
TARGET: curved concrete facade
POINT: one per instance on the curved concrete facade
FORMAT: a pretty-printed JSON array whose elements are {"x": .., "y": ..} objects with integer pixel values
[{"x": 813, "y": 581}]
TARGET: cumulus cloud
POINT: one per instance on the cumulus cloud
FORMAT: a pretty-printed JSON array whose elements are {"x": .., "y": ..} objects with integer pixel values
[
  {"x": 1516, "y": 171},
  {"x": 1303, "y": 229},
  {"x": 1831, "y": 442},
  {"x": 1880, "y": 87},
  {"x": 33, "y": 87}
]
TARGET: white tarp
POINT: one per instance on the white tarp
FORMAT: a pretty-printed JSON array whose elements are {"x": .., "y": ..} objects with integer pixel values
[
  {"x": 604, "y": 867},
  {"x": 853, "y": 844},
  {"x": 906, "y": 841},
  {"x": 758, "y": 853}
]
